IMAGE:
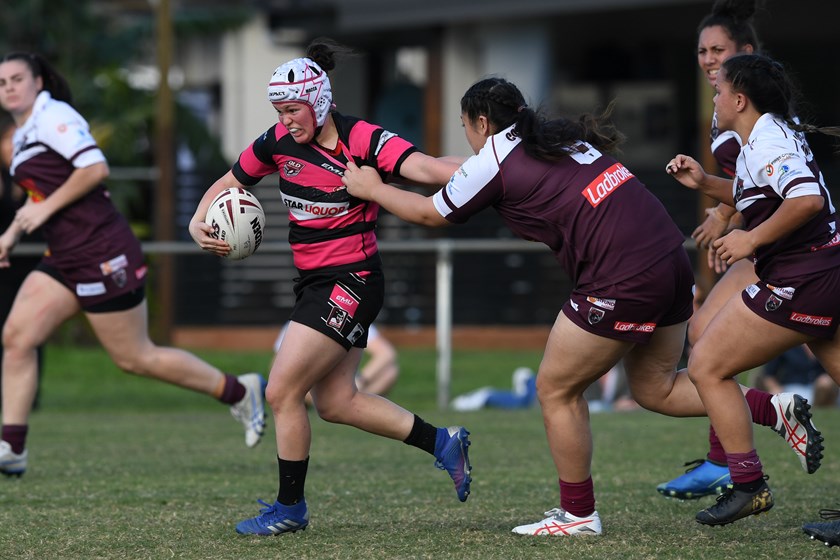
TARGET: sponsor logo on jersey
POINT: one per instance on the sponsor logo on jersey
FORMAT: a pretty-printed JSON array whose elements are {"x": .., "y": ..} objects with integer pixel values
[
  {"x": 386, "y": 135},
  {"x": 292, "y": 168},
  {"x": 595, "y": 315},
  {"x": 333, "y": 169},
  {"x": 752, "y": 290},
  {"x": 574, "y": 305},
  {"x": 140, "y": 273},
  {"x": 344, "y": 299},
  {"x": 768, "y": 170},
  {"x": 606, "y": 183},
  {"x": 786, "y": 173},
  {"x": 115, "y": 264},
  {"x": 622, "y": 326},
  {"x": 831, "y": 243},
  {"x": 784, "y": 293},
  {"x": 90, "y": 289},
  {"x": 815, "y": 320},
  {"x": 608, "y": 304},
  {"x": 772, "y": 303},
  {"x": 307, "y": 210},
  {"x": 781, "y": 158}
]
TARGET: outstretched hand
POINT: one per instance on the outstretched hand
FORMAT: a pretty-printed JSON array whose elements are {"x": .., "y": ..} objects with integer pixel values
[
  {"x": 361, "y": 182},
  {"x": 687, "y": 171}
]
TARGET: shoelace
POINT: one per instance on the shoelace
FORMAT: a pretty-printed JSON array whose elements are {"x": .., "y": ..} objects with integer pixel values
[
  {"x": 559, "y": 512},
  {"x": 729, "y": 493},
  {"x": 830, "y": 513},
  {"x": 269, "y": 508},
  {"x": 697, "y": 463}
]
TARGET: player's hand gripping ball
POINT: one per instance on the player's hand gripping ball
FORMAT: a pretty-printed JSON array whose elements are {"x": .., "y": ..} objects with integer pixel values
[{"x": 237, "y": 218}]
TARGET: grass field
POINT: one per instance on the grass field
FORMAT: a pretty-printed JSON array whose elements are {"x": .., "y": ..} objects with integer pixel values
[{"x": 123, "y": 468}]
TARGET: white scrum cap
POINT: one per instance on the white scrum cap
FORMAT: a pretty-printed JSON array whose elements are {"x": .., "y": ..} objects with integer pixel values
[{"x": 301, "y": 80}]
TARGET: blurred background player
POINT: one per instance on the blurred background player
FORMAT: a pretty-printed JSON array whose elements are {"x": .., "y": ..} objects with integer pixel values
[
  {"x": 94, "y": 263},
  {"x": 12, "y": 197},
  {"x": 797, "y": 371}
]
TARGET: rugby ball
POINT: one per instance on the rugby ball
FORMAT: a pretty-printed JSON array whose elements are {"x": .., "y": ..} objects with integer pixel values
[{"x": 237, "y": 218}]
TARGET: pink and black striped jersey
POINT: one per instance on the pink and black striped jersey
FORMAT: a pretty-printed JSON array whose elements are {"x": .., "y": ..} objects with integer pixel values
[
  {"x": 601, "y": 222},
  {"x": 328, "y": 227}
]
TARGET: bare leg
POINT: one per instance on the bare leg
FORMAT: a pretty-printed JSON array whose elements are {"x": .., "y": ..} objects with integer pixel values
[
  {"x": 125, "y": 336},
  {"x": 42, "y": 304}
]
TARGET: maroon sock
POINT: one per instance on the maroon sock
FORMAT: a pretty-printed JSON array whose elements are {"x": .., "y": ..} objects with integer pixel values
[
  {"x": 15, "y": 436},
  {"x": 716, "y": 453},
  {"x": 762, "y": 410},
  {"x": 578, "y": 498},
  {"x": 233, "y": 392},
  {"x": 744, "y": 467}
]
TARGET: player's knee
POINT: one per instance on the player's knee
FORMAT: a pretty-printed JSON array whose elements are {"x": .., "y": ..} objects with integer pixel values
[
  {"x": 16, "y": 339},
  {"x": 133, "y": 363},
  {"x": 329, "y": 412}
]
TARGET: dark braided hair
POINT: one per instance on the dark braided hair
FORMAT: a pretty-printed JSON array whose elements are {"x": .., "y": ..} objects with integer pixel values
[
  {"x": 769, "y": 88},
  {"x": 503, "y": 105},
  {"x": 40, "y": 68},
  {"x": 736, "y": 18}
]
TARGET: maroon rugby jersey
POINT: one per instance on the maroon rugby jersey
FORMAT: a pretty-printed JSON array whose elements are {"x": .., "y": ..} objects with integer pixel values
[
  {"x": 328, "y": 227},
  {"x": 774, "y": 165},
  {"x": 601, "y": 222},
  {"x": 52, "y": 143},
  {"x": 725, "y": 147}
]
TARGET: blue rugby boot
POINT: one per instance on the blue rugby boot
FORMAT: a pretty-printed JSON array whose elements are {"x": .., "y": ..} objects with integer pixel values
[
  {"x": 276, "y": 519},
  {"x": 703, "y": 479},
  {"x": 451, "y": 454}
]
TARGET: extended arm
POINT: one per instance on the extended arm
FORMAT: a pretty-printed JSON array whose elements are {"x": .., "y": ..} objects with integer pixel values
[
  {"x": 365, "y": 183},
  {"x": 692, "y": 175}
]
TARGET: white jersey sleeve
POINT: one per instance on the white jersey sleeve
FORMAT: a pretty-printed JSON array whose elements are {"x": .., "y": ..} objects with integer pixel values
[
  {"x": 474, "y": 175},
  {"x": 780, "y": 162},
  {"x": 66, "y": 131}
]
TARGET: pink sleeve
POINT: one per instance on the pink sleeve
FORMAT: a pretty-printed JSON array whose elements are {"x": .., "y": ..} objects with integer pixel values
[{"x": 389, "y": 150}]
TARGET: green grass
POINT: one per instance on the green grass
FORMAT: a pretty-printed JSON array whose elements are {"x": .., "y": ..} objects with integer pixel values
[{"x": 133, "y": 469}]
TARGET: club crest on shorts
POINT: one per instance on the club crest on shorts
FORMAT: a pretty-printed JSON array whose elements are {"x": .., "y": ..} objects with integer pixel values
[
  {"x": 120, "y": 278},
  {"x": 773, "y": 302},
  {"x": 337, "y": 318},
  {"x": 595, "y": 315}
]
